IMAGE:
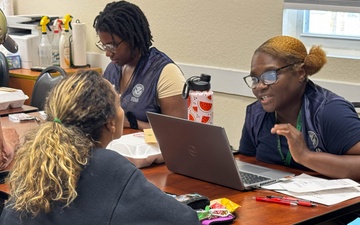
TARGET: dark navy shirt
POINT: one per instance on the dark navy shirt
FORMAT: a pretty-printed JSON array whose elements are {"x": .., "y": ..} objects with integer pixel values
[
  {"x": 141, "y": 94},
  {"x": 329, "y": 124},
  {"x": 111, "y": 191}
]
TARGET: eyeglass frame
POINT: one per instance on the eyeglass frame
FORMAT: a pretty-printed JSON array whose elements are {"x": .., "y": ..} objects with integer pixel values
[
  {"x": 260, "y": 78},
  {"x": 108, "y": 47}
]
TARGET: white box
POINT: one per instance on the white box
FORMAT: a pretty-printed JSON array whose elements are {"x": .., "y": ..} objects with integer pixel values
[
  {"x": 13, "y": 98},
  {"x": 28, "y": 49},
  {"x": 134, "y": 148}
]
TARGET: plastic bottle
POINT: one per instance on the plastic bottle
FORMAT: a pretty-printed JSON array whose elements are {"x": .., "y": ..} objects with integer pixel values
[
  {"x": 200, "y": 99},
  {"x": 64, "y": 43},
  {"x": 55, "y": 43},
  {"x": 45, "y": 50}
]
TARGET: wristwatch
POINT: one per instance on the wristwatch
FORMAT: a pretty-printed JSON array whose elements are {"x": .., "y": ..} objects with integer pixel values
[{"x": 132, "y": 120}]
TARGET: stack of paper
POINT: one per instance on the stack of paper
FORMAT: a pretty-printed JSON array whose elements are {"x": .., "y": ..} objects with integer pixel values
[{"x": 323, "y": 191}]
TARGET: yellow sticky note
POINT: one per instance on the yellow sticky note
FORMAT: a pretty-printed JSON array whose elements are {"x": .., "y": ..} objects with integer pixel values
[{"x": 149, "y": 136}]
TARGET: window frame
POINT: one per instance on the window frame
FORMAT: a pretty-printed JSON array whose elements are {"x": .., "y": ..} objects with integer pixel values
[{"x": 336, "y": 46}]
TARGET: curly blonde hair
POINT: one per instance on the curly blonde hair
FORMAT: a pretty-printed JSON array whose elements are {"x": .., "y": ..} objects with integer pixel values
[
  {"x": 48, "y": 165},
  {"x": 291, "y": 50}
]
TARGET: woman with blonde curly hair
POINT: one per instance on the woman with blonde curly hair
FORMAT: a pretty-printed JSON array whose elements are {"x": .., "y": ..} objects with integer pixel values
[
  {"x": 295, "y": 122},
  {"x": 64, "y": 175}
]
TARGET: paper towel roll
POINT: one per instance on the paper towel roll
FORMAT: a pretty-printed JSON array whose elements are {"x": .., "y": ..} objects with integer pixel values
[{"x": 79, "y": 44}]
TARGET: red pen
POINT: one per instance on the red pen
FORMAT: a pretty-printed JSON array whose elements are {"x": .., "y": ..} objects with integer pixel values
[
  {"x": 309, "y": 204},
  {"x": 301, "y": 202},
  {"x": 274, "y": 200},
  {"x": 284, "y": 197}
]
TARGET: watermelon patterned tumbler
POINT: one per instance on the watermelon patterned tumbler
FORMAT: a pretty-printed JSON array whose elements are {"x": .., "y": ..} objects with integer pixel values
[{"x": 200, "y": 99}]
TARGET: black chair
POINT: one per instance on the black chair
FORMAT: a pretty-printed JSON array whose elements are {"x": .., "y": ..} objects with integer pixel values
[
  {"x": 44, "y": 83},
  {"x": 4, "y": 71},
  {"x": 357, "y": 107},
  {"x": 3, "y": 196},
  {"x": 356, "y": 104}
]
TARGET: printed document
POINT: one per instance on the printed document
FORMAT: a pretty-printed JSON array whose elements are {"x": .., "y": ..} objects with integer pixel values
[{"x": 323, "y": 191}]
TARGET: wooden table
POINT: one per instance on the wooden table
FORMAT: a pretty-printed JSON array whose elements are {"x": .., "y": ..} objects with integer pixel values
[
  {"x": 250, "y": 212},
  {"x": 22, "y": 109},
  {"x": 25, "y": 79},
  {"x": 4, "y": 189},
  {"x": 21, "y": 128}
]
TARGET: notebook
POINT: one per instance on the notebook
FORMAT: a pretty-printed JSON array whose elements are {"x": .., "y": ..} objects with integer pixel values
[{"x": 202, "y": 151}]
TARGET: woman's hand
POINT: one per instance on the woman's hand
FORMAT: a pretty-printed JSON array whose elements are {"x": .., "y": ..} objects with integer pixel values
[
  {"x": 295, "y": 139},
  {"x": 9, "y": 141}
]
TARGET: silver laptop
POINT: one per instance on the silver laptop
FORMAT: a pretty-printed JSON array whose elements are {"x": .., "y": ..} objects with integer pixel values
[{"x": 203, "y": 151}]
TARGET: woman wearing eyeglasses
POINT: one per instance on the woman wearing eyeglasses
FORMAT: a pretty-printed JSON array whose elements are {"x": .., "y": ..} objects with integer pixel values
[
  {"x": 146, "y": 78},
  {"x": 295, "y": 122}
]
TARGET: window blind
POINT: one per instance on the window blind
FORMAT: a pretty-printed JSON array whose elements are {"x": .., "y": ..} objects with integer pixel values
[{"x": 327, "y": 5}]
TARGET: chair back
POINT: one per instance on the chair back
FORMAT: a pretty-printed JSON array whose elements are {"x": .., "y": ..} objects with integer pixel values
[
  {"x": 43, "y": 85},
  {"x": 4, "y": 71},
  {"x": 356, "y": 104}
]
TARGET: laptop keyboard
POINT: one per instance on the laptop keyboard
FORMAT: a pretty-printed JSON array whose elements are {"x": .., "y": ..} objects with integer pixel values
[{"x": 249, "y": 178}]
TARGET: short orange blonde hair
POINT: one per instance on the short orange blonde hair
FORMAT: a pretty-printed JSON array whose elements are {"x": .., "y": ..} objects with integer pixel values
[{"x": 291, "y": 50}]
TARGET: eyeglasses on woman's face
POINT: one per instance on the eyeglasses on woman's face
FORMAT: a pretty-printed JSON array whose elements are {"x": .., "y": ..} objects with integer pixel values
[
  {"x": 108, "y": 47},
  {"x": 267, "y": 78}
]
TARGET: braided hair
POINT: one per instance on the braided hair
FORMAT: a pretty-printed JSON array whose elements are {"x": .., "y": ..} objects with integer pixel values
[{"x": 126, "y": 21}]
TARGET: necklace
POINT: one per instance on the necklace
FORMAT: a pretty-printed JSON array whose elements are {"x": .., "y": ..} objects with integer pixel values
[{"x": 287, "y": 160}]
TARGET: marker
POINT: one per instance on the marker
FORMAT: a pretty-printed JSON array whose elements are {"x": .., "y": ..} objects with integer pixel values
[{"x": 275, "y": 200}]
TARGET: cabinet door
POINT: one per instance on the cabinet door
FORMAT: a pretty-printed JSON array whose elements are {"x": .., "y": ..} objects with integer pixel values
[{"x": 25, "y": 85}]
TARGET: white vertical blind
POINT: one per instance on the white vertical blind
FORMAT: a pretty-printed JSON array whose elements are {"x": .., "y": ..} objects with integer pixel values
[{"x": 327, "y": 5}]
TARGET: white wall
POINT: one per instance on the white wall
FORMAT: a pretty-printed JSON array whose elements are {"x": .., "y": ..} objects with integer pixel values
[{"x": 207, "y": 35}]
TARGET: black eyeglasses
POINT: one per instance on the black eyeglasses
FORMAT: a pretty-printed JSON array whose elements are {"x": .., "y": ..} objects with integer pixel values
[
  {"x": 108, "y": 47},
  {"x": 269, "y": 77}
]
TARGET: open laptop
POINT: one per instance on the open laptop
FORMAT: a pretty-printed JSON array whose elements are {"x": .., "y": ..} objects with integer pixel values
[{"x": 203, "y": 151}]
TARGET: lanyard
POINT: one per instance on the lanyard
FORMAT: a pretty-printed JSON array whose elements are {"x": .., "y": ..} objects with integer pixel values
[{"x": 288, "y": 155}]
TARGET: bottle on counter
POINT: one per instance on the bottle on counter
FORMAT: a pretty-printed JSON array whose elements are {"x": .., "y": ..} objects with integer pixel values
[
  {"x": 64, "y": 43},
  {"x": 45, "y": 50},
  {"x": 55, "y": 43}
]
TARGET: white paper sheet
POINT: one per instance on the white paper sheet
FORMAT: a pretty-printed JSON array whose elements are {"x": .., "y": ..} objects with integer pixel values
[
  {"x": 323, "y": 191},
  {"x": 307, "y": 183}
]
